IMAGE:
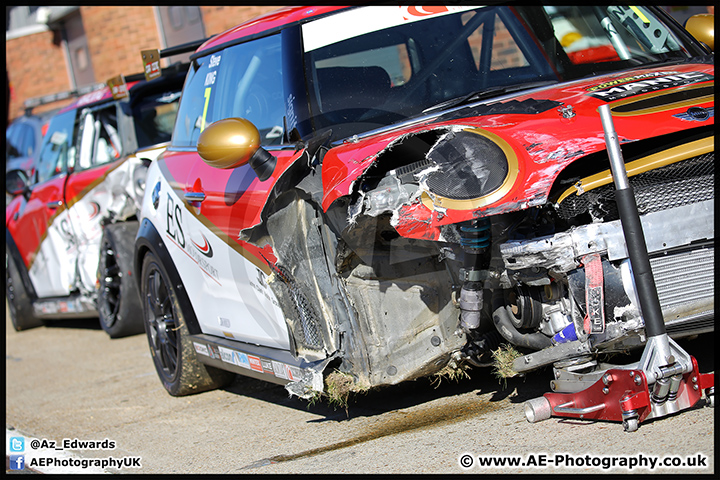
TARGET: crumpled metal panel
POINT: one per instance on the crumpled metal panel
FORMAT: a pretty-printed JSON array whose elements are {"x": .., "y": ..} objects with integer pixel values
[
  {"x": 663, "y": 230},
  {"x": 407, "y": 332}
]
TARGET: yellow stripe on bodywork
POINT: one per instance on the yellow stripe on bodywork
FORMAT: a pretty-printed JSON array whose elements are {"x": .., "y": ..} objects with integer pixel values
[{"x": 642, "y": 165}]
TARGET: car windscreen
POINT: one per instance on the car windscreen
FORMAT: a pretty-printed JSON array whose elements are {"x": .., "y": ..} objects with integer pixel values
[
  {"x": 20, "y": 140},
  {"x": 58, "y": 148},
  {"x": 373, "y": 66}
]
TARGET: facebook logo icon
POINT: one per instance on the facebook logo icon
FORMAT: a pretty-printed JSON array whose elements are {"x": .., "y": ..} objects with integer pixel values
[{"x": 17, "y": 462}]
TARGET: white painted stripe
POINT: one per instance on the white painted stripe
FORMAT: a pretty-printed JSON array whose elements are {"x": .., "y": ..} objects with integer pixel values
[{"x": 355, "y": 22}]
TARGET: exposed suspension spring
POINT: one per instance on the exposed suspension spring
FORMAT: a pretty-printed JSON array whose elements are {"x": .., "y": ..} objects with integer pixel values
[
  {"x": 475, "y": 239},
  {"x": 475, "y": 235}
]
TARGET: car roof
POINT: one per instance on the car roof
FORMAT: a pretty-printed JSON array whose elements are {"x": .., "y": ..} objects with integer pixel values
[
  {"x": 268, "y": 22},
  {"x": 135, "y": 85},
  {"x": 96, "y": 96}
]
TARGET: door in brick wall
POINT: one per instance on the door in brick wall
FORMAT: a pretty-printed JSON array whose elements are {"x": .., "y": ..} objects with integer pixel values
[
  {"x": 78, "y": 52},
  {"x": 178, "y": 25}
]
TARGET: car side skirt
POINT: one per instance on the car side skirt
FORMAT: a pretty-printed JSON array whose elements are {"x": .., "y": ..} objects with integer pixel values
[
  {"x": 58, "y": 308},
  {"x": 264, "y": 363}
]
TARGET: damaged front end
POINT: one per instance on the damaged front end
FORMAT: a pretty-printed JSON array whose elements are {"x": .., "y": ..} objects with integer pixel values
[
  {"x": 420, "y": 270},
  {"x": 426, "y": 186}
]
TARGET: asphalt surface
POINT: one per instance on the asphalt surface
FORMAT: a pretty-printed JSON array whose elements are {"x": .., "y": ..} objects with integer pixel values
[{"x": 70, "y": 383}]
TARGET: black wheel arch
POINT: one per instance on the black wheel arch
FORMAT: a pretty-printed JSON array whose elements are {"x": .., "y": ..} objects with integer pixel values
[{"x": 149, "y": 240}]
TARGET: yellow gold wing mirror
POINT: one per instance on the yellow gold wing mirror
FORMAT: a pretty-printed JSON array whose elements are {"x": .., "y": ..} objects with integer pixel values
[
  {"x": 702, "y": 27},
  {"x": 232, "y": 143}
]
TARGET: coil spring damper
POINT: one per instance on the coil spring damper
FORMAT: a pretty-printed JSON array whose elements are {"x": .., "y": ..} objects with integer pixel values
[{"x": 475, "y": 239}]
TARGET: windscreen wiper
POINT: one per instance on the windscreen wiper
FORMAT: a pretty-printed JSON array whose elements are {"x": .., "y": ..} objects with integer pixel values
[{"x": 486, "y": 93}]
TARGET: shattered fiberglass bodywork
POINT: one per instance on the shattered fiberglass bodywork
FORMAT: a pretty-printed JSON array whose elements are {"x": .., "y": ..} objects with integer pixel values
[{"x": 400, "y": 248}]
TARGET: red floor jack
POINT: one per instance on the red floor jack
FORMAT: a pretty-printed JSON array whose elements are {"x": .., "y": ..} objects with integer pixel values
[{"x": 665, "y": 380}]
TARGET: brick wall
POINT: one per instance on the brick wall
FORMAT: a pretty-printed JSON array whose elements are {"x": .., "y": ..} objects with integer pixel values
[
  {"x": 36, "y": 66},
  {"x": 116, "y": 35},
  {"x": 219, "y": 19}
]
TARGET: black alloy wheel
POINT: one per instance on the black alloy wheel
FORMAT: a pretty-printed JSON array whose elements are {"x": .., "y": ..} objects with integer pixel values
[
  {"x": 118, "y": 298},
  {"x": 170, "y": 343},
  {"x": 18, "y": 301},
  {"x": 109, "y": 294},
  {"x": 161, "y": 323}
]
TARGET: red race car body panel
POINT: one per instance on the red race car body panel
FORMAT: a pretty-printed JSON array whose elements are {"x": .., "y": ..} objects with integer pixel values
[{"x": 543, "y": 143}]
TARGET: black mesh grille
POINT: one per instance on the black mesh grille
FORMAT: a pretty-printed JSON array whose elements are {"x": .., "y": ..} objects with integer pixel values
[
  {"x": 675, "y": 185},
  {"x": 305, "y": 323}
]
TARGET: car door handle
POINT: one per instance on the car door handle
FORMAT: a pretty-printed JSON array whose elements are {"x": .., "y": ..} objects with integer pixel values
[
  {"x": 194, "y": 196},
  {"x": 55, "y": 204}
]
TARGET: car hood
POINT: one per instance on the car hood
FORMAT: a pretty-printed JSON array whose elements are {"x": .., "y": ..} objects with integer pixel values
[{"x": 540, "y": 132}]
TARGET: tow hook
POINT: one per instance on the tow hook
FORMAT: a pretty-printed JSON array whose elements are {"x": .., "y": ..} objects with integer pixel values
[{"x": 665, "y": 380}]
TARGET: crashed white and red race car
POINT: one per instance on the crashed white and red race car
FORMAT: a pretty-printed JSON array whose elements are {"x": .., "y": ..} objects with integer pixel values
[
  {"x": 383, "y": 193},
  {"x": 71, "y": 227}
]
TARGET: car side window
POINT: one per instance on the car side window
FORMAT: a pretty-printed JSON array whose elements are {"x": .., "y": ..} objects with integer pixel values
[
  {"x": 20, "y": 141},
  {"x": 193, "y": 110},
  {"x": 58, "y": 147},
  {"x": 27, "y": 140},
  {"x": 250, "y": 86},
  {"x": 108, "y": 148},
  {"x": 100, "y": 141},
  {"x": 154, "y": 118},
  {"x": 12, "y": 142},
  {"x": 241, "y": 81}
]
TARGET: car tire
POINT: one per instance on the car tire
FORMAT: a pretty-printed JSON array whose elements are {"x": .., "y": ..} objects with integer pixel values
[
  {"x": 19, "y": 302},
  {"x": 170, "y": 344},
  {"x": 118, "y": 298}
]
